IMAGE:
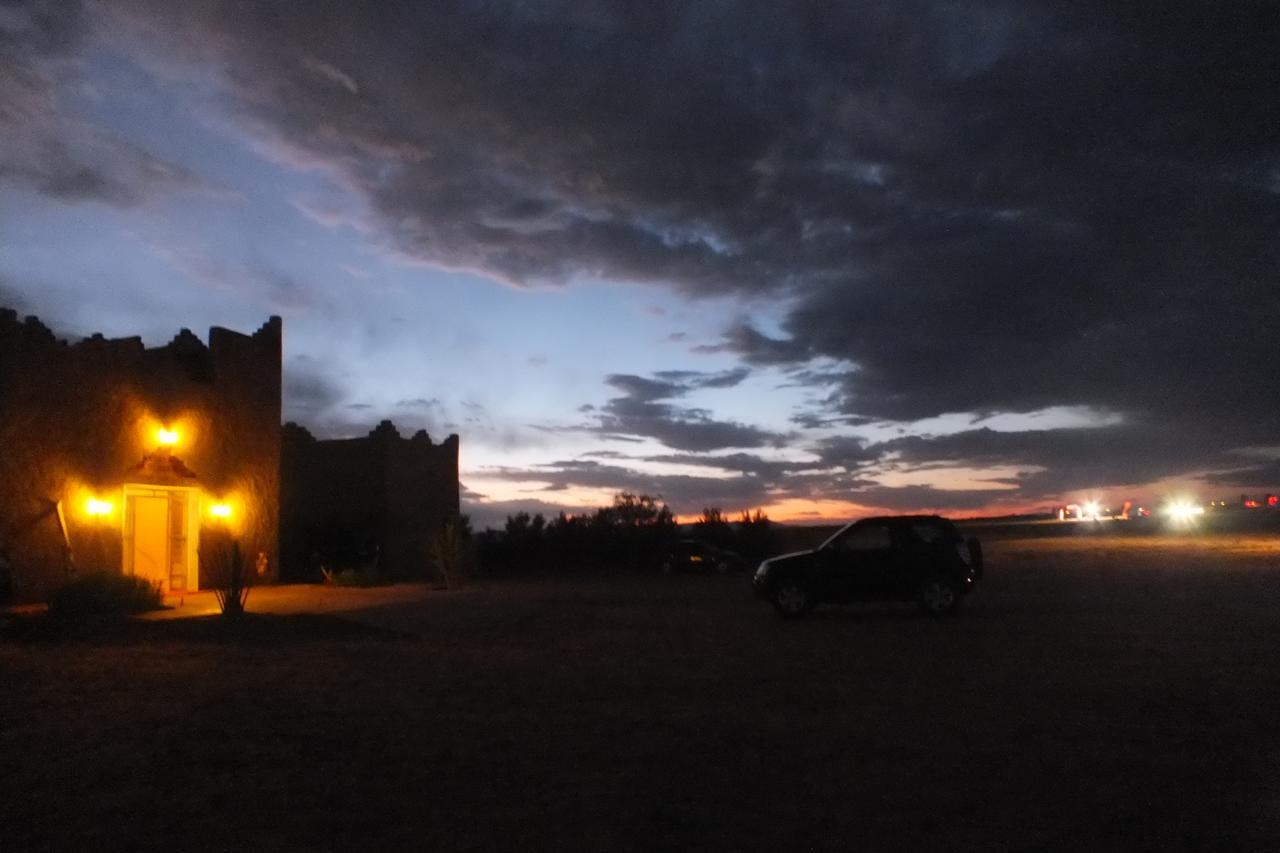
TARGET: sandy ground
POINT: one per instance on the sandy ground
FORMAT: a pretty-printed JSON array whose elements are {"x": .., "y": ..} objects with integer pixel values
[
  {"x": 1100, "y": 696},
  {"x": 287, "y": 599}
]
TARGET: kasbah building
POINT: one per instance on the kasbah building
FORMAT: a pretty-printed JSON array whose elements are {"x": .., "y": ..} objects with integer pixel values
[{"x": 121, "y": 458}]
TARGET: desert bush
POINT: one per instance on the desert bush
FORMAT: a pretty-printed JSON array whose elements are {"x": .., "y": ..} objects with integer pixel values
[
  {"x": 222, "y": 567},
  {"x": 105, "y": 594},
  {"x": 714, "y": 529},
  {"x": 756, "y": 537}
]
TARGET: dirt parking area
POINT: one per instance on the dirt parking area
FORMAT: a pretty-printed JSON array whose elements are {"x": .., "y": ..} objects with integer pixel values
[{"x": 1100, "y": 695}]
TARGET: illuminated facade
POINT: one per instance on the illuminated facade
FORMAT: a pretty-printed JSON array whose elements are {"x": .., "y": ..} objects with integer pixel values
[{"x": 118, "y": 457}]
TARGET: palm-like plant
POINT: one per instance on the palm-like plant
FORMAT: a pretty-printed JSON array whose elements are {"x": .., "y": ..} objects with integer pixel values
[{"x": 230, "y": 578}]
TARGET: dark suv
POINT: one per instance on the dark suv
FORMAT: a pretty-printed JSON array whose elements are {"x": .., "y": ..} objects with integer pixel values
[{"x": 896, "y": 558}]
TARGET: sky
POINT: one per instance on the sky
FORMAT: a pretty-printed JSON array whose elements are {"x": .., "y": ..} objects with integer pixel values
[{"x": 823, "y": 259}]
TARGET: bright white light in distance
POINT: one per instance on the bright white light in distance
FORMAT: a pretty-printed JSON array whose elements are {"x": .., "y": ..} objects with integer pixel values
[
  {"x": 1183, "y": 510},
  {"x": 1091, "y": 510}
]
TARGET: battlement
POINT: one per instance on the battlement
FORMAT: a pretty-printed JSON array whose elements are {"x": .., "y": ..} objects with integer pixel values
[
  {"x": 385, "y": 432},
  {"x": 27, "y": 332},
  {"x": 381, "y": 488},
  {"x": 226, "y": 350}
]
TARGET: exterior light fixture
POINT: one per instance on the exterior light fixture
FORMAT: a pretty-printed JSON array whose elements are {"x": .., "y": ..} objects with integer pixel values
[
  {"x": 222, "y": 511},
  {"x": 97, "y": 508},
  {"x": 167, "y": 437}
]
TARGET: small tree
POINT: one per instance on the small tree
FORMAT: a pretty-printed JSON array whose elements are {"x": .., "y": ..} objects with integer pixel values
[
  {"x": 712, "y": 528},
  {"x": 756, "y": 537},
  {"x": 451, "y": 551},
  {"x": 639, "y": 527}
]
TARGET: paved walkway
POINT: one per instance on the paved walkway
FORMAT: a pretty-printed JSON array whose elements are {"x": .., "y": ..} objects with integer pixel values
[{"x": 363, "y": 603}]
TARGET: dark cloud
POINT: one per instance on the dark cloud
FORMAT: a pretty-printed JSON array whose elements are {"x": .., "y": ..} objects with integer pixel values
[
  {"x": 692, "y": 380},
  {"x": 62, "y": 178},
  {"x": 1124, "y": 455},
  {"x": 770, "y": 470},
  {"x": 989, "y": 207},
  {"x": 681, "y": 491},
  {"x": 642, "y": 390},
  {"x": 418, "y": 403},
  {"x": 679, "y": 428},
  {"x": 763, "y": 481},
  {"x": 1261, "y": 475},
  {"x": 984, "y": 207},
  {"x": 926, "y": 498},
  {"x": 755, "y": 347},
  {"x": 673, "y": 383},
  {"x": 639, "y": 413},
  {"x": 783, "y": 480},
  {"x": 47, "y": 148},
  {"x": 847, "y": 451}
]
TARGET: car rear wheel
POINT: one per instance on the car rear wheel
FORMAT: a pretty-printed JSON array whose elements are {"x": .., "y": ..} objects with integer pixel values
[
  {"x": 791, "y": 598},
  {"x": 939, "y": 596}
]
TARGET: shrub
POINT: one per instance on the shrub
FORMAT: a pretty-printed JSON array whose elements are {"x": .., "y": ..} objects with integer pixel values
[
  {"x": 451, "y": 552},
  {"x": 223, "y": 564},
  {"x": 635, "y": 532},
  {"x": 105, "y": 594},
  {"x": 632, "y": 533}
]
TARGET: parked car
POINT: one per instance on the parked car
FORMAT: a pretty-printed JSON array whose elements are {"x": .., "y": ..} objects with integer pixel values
[
  {"x": 690, "y": 555},
  {"x": 897, "y": 558}
]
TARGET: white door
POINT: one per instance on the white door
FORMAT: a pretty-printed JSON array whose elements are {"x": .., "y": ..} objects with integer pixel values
[
  {"x": 151, "y": 539},
  {"x": 160, "y": 536}
]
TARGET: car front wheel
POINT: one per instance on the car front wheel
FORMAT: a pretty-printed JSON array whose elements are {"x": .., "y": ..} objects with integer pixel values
[
  {"x": 939, "y": 596},
  {"x": 791, "y": 598}
]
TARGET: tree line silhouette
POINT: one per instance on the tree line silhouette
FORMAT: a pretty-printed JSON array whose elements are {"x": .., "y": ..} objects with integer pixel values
[{"x": 634, "y": 533}]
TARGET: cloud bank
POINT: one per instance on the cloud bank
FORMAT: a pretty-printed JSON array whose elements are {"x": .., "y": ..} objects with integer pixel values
[{"x": 976, "y": 208}]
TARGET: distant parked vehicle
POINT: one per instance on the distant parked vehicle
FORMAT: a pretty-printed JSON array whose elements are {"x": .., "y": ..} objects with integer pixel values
[
  {"x": 690, "y": 555},
  {"x": 896, "y": 558}
]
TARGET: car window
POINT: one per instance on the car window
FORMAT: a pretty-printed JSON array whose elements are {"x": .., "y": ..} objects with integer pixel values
[
  {"x": 928, "y": 533},
  {"x": 871, "y": 537}
]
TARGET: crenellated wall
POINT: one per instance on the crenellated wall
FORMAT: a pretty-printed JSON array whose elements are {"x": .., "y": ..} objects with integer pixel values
[
  {"x": 342, "y": 497},
  {"x": 80, "y": 420}
]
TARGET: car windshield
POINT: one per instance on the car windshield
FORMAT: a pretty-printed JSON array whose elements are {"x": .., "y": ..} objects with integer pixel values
[
  {"x": 932, "y": 530},
  {"x": 834, "y": 536},
  {"x": 931, "y": 533}
]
